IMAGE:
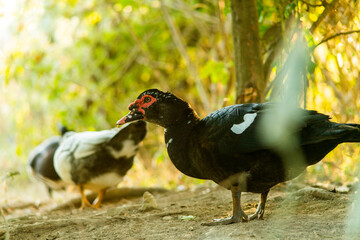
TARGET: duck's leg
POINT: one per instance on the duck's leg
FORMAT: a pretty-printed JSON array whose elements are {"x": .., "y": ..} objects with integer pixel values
[
  {"x": 84, "y": 201},
  {"x": 259, "y": 213},
  {"x": 238, "y": 214},
  {"x": 97, "y": 202}
]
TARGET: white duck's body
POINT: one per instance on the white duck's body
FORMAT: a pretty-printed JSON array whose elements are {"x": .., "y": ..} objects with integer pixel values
[{"x": 97, "y": 160}]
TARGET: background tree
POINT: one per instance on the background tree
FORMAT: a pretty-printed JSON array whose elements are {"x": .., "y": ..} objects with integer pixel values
[
  {"x": 82, "y": 63},
  {"x": 250, "y": 81}
]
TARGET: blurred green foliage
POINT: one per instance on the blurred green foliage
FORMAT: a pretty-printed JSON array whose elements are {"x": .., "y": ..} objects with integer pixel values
[{"x": 82, "y": 62}]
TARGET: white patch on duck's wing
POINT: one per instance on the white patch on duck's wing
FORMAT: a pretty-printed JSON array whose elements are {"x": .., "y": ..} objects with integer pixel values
[
  {"x": 241, "y": 127},
  {"x": 128, "y": 149},
  {"x": 103, "y": 181},
  {"x": 90, "y": 140},
  {"x": 86, "y": 143}
]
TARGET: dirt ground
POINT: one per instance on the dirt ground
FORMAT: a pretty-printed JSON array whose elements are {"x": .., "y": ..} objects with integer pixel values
[{"x": 292, "y": 212}]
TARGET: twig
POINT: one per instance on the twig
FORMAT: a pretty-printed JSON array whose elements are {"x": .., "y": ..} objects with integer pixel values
[
  {"x": 336, "y": 35},
  {"x": 10, "y": 175},
  {"x": 7, "y": 234},
  {"x": 181, "y": 48}
]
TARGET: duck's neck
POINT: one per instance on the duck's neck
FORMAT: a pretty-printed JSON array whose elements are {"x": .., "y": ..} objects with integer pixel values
[{"x": 178, "y": 138}]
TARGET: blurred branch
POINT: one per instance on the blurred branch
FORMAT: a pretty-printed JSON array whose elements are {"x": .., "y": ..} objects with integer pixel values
[
  {"x": 274, "y": 54},
  {"x": 221, "y": 16},
  {"x": 294, "y": 68},
  {"x": 276, "y": 36},
  {"x": 336, "y": 35},
  {"x": 7, "y": 235},
  {"x": 314, "y": 5},
  {"x": 181, "y": 6},
  {"x": 148, "y": 58},
  {"x": 328, "y": 8},
  {"x": 10, "y": 175},
  {"x": 329, "y": 80},
  {"x": 197, "y": 17},
  {"x": 125, "y": 67},
  {"x": 181, "y": 48},
  {"x": 277, "y": 51}
]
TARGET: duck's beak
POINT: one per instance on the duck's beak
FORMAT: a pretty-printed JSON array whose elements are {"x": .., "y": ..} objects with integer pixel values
[{"x": 130, "y": 117}]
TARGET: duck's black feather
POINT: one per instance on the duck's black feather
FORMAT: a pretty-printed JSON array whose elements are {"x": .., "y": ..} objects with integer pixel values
[{"x": 41, "y": 162}]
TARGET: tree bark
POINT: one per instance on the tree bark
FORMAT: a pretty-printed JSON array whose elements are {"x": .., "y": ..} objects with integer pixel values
[{"x": 249, "y": 74}]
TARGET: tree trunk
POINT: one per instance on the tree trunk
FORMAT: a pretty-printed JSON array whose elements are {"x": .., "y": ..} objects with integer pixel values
[{"x": 249, "y": 74}]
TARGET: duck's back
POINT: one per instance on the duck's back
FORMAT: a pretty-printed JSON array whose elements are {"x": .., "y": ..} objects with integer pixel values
[{"x": 232, "y": 143}]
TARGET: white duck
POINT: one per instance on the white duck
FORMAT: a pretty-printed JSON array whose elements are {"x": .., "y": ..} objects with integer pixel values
[{"x": 97, "y": 160}]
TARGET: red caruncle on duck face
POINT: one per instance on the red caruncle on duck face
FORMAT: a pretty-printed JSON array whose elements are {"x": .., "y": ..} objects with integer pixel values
[
  {"x": 137, "y": 109},
  {"x": 142, "y": 103}
]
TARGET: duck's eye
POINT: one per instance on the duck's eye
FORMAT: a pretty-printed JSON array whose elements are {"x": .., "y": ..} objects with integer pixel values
[{"x": 147, "y": 99}]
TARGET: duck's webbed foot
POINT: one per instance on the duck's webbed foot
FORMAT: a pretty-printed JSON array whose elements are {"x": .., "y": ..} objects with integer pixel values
[
  {"x": 224, "y": 221},
  {"x": 259, "y": 213},
  {"x": 238, "y": 214}
]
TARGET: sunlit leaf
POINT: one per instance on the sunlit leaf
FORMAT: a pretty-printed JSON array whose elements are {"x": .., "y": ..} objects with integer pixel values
[
  {"x": 216, "y": 71},
  {"x": 186, "y": 218},
  {"x": 311, "y": 66},
  {"x": 93, "y": 18}
]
